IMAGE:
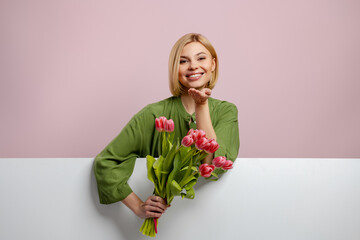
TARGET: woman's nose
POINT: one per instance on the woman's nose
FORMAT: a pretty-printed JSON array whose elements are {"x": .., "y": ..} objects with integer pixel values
[{"x": 193, "y": 65}]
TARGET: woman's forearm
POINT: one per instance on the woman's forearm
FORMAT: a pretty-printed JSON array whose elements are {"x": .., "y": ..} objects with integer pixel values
[
  {"x": 203, "y": 122},
  {"x": 133, "y": 202}
]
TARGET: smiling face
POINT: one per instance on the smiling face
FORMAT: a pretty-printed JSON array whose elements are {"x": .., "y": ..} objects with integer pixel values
[{"x": 196, "y": 66}]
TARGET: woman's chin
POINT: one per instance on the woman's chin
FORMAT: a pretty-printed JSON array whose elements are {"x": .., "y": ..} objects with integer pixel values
[{"x": 197, "y": 86}]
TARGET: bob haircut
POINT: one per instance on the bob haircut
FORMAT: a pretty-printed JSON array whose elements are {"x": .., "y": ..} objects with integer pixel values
[{"x": 176, "y": 88}]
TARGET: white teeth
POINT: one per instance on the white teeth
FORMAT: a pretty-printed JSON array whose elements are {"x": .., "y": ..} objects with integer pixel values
[{"x": 195, "y": 75}]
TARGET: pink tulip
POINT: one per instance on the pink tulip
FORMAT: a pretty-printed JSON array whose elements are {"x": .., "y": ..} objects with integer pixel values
[
  {"x": 227, "y": 165},
  {"x": 206, "y": 170},
  {"x": 202, "y": 143},
  {"x": 187, "y": 141},
  {"x": 197, "y": 134},
  {"x": 169, "y": 125},
  {"x": 212, "y": 146},
  {"x": 159, "y": 123},
  {"x": 191, "y": 131},
  {"x": 219, "y": 161}
]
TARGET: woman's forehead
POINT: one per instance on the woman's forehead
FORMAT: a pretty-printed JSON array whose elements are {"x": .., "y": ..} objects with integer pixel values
[{"x": 193, "y": 49}]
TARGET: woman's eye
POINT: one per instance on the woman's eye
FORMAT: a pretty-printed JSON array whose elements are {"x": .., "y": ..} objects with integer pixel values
[
  {"x": 202, "y": 58},
  {"x": 182, "y": 61}
]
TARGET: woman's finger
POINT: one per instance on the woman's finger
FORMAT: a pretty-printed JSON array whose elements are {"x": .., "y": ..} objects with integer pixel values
[
  {"x": 158, "y": 205},
  {"x": 194, "y": 92},
  {"x": 158, "y": 199},
  {"x": 208, "y": 92},
  {"x": 156, "y": 202},
  {"x": 152, "y": 214},
  {"x": 154, "y": 209}
]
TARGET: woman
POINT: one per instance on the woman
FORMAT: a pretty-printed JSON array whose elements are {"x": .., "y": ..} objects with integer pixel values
[{"x": 193, "y": 72}]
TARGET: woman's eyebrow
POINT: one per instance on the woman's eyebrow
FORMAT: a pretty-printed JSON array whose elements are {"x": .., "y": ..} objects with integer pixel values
[{"x": 195, "y": 54}]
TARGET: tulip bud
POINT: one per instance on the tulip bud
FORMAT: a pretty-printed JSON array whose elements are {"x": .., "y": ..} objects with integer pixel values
[
  {"x": 197, "y": 134},
  {"x": 219, "y": 161},
  {"x": 159, "y": 123},
  {"x": 201, "y": 133},
  {"x": 190, "y": 132},
  {"x": 187, "y": 141},
  {"x": 212, "y": 146},
  {"x": 227, "y": 165},
  {"x": 169, "y": 125},
  {"x": 202, "y": 143},
  {"x": 206, "y": 170}
]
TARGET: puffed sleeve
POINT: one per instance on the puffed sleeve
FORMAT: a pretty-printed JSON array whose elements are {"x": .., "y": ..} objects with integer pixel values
[
  {"x": 226, "y": 127},
  {"x": 115, "y": 164}
]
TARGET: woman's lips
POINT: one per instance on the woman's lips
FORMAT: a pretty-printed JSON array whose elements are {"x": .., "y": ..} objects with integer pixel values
[{"x": 194, "y": 77}]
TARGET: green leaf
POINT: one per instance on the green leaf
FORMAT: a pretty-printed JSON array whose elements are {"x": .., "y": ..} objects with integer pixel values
[
  {"x": 158, "y": 166},
  {"x": 171, "y": 137},
  {"x": 150, "y": 171},
  {"x": 219, "y": 171},
  {"x": 158, "y": 169},
  {"x": 169, "y": 200},
  {"x": 190, "y": 194},
  {"x": 214, "y": 174},
  {"x": 174, "y": 172},
  {"x": 160, "y": 143},
  {"x": 175, "y": 188},
  {"x": 184, "y": 151},
  {"x": 189, "y": 155},
  {"x": 168, "y": 162},
  {"x": 191, "y": 182},
  {"x": 192, "y": 168},
  {"x": 216, "y": 177},
  {"x": 186, "y": 181},
  {"x": 165, "y": 144},
  {"x": 187, "y": 174},
  {"x": 200, "y": 157}
]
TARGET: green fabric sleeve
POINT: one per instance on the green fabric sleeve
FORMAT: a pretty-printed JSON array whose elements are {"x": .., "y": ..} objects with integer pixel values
[
  {"x": 115, "y": 164},
  {"x": 227, "y": 131}
]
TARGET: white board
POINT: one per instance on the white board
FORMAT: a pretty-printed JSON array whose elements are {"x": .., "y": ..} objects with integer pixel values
[{"x": 312, "y": 199}]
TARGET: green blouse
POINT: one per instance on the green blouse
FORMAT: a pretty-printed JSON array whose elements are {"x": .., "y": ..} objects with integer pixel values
[{"x": 139, "y": 138}]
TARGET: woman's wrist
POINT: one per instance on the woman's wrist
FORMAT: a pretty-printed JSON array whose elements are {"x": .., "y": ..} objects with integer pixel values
[
  {"x": 133, "y": 202},
  {"x": 203, "y": 120},
  {"x": 137, "y": 210},
  {"x": 202, "y": 106}
]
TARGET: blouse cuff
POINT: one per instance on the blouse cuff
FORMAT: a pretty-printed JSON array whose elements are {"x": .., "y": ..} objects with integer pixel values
[{"x": 119, "y": 194}]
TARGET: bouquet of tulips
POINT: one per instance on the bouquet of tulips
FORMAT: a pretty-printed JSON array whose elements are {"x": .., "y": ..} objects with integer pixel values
[{"x": 178, "y": 167}]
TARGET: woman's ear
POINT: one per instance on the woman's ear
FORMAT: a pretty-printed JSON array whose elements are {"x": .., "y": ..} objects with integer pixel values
[{"x": 213, "y": 65}]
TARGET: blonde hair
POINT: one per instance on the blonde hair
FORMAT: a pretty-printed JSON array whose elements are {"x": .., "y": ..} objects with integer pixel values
[{"x": 176, "y": 88}]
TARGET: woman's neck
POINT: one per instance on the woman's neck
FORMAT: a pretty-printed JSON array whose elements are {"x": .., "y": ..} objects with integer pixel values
[{"x": 188, "y": 103}]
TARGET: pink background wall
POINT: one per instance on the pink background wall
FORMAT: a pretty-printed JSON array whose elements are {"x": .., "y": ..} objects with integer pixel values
[{"x": 72, "y": 73}]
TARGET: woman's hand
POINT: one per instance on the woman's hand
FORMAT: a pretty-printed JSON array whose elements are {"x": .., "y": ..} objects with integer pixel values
[
  {"x": 154, "y": 207},
  {"x": 203, "y": 119},
  {"x": 200, "y": 96}
]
